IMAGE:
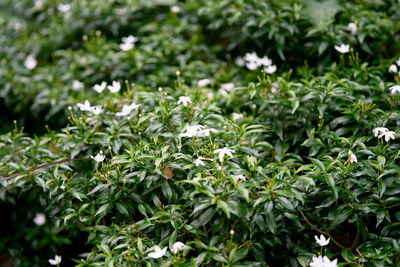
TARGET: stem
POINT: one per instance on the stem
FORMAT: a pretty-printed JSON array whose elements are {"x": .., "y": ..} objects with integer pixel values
[{"x": 40, "y": 167}]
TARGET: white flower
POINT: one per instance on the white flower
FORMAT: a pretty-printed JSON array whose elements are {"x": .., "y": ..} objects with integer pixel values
[
  {"x": 322, "y": 241},
  {"x": 99, "y": 157},
  {"x": 175, "y": 9},
  {"x": 353, "y": 158},
  {"x": 379, "y": 130},
  {"x": 199, "y": 162},
  {"x": 100, "y": 87},
  {"x": 225, "y": 88},
  {"x": 343, "y": 48},
  {"x": 251, "y": 65},
  {"x": 265, "y": 61},
  {"x": 115, "y": 87},
  {"x": 251, "y": 57},
  {"x": 206, "y": 132},
  {"x": 62, "y": 187},
  {"x": 203, "y": 82},
  {"x": 237, "y": 116},
  {"x": 398, "y": 62},
  {"x": 228, "y": 86},
  {"x": 130, "y": 39},
  {"x": 270, "y": 69},
  {"x": 39, "y": 219},
  {"x": 96, "y": 110},
  {"x": 352, "y": 27},
  {"x": 329, "y": 263},
  {"x": 393, "y": 68},
  {"x": 388, "y": 135},
  {"x": 56, "y": 261},
  {"x": 395, "y": 89},
  {"x": 39, "y": 4},
  {"x": 85, "y": 106},
  {"x": 224, "y": 151},
  {"x": 77, "y": 85},
  {"x": 196, "y": 180},
  {"x": 126, "y": 46},
  {"x": 192, "y": 131},
  {"x": 127, "y": 109},
  {"x": 184, "y": 100},
  {"x": 178, "y": 246},
  {"x": 158, "y": 252},
  {"x": 240, "y": 61},
  {"x": 63, "y": 7},
  {"x": 30, "y": 62},
  {"x": 317, "y": 262}
]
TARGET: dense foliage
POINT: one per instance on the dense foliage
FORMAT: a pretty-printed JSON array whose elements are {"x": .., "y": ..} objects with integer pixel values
[{"x": 240, "y": 129}]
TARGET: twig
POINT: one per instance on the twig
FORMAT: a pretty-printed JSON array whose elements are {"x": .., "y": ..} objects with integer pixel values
[
  {"x": 323, "y": 232},
  {"x": 40, "y": 167}
]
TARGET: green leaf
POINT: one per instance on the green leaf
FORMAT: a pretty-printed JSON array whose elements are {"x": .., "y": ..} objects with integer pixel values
[
  {"x": 224, "y": 207},
  {"x": 318, "y": 164},
  {"x": 121, "y": 208},
  {"x": 245, "y": 193},
  {"x": 166, "y": 189},
  {"x": 102, "y": 209}
]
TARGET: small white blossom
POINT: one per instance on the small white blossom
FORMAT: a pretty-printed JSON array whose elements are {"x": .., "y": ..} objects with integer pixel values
[
  {"x": 264, "y": 61},
  {"x": 388, "y": 135},
  {"x": 62, "y": 187},
  {"x": 343, "y": 48},
  {"x": 85, "y": 107},
  {"x": 130, "y": 39},
  {"x": 126, "y": 46},
  {"x": 270, "y": 69},
  {"x": 398, "y": 62},
  {"x": 77, "y": 85},
  {"x": 56, "y": 261},
  {"x": 115, "y": 87},
  {"x": 158, "y": 252},
  {"x": 377, "y": 131},
  {"x": 240, "y": 61},
  {"x": 100, "y": 87},
  {"x": 39, "y": 219},
  {"x": 251, "y": 65},
  {"x": 317, "y": 262},
  {"x": 30, "y": 62},
  {"x": 185, "y": 100},
  {"x": 199, "y": 162},
  {"x": 251, "y": 57},
  {"x": 192, "y": 131},
  {"x": 393, "y": 68},
  {"x": 206, "y": 132},
  {"x": 352, "y": 27},
  {"x": 395, "y": 89},
  {"x": 322, "y": 241},
  {"x": 96, "y": 110},
  {"x": 175, "y": 9},
  {"x": 99, "y": 157},
  {"x": 63, "y": 7},
  {"x": 237, "y": 116},
  {"x": 353, "y": 158},
  {"x": 196, "y": 180},
  {"x": 178, "y": 246},
  {"x": 224, "y": 151},
  {"x": 127, "y": 109},
  {"x": 39, "y": 4},
  {"x": 329, "y": 263},
  {"x": 203, "y": 82}
]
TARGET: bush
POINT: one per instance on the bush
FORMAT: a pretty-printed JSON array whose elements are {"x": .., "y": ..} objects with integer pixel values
[{"x": 242, "y": 164}]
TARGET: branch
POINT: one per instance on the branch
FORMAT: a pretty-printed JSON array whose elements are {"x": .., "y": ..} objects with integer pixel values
[
  {"x": 323, "y": 232},
  {"x": 40, "y": 167}
]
